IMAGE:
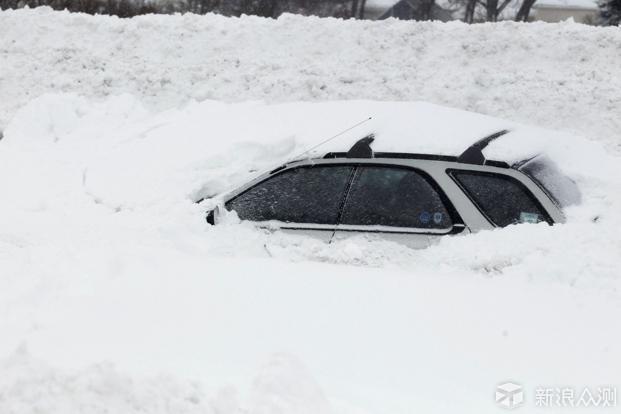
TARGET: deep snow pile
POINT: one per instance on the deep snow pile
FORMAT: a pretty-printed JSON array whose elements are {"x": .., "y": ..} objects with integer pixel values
[
  {"x": 561, "y": 76},
  {"x": 116, "y": 295}
]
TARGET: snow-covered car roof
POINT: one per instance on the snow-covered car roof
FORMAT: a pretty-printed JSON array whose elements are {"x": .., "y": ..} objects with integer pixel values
[{"x": 423, "y": 128}]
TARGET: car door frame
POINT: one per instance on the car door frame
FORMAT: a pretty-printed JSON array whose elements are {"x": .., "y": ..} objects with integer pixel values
[{"x": 411, "y": 236}]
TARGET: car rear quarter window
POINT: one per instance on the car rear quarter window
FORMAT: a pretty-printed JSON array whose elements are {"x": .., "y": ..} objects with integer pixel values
[
  {"x": 400, "y": 197},
  {"x": 561, "y": 189},
  {"x": 502, "y": 199},
  {"x": 301, "y": 195}
]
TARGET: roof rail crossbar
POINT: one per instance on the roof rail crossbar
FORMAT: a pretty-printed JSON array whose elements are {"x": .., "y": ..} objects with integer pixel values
[
  {"x": 474, "y": 153},
  {"x": 362, "y": 148}
]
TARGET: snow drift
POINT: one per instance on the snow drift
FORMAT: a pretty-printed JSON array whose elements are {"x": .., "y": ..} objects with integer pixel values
[
  {"x": 561, "y": 76},
  {"x": 115, "y": 295},
  {"x": 114, "y": 288}
]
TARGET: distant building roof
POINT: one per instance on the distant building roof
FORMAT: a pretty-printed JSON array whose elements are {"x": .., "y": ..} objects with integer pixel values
[
  {"x": 566, "y": 4},
  {"x": 375, "y": 8},
  {"x": 381, "y": 4},
  {"x": 402, "y": 9}
]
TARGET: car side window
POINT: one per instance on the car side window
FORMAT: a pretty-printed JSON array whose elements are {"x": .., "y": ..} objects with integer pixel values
[
  {"x": 399, "y": 197},
  {"x": 502, "y": 199},
  {"x": 302, "y": 195}
]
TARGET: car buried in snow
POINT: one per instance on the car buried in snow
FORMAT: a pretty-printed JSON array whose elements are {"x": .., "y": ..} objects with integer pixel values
[{"x": 409, "y": 198}]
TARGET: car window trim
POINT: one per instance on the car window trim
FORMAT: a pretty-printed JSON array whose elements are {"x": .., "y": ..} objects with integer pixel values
[
  {"x": 373, "y": 228},
  {"x": 277, "y": 224},
  {"x": 451, "y": 171}
]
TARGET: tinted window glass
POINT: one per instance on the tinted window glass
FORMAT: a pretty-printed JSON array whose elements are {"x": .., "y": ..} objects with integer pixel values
[
  {"x": 562, "y": 189},
  {"x": 502, "y": 199},
  {"x": 302, "y": 195},
  {"x": 399, "y": 197}
]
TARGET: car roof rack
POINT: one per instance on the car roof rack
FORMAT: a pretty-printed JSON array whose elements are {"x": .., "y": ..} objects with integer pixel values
[
  {"x": 362, "y": 148},
  {"x": 474, "y": 153}
]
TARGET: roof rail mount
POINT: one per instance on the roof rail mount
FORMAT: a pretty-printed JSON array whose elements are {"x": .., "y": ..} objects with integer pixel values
[
  {"x": 474, "y": 153},
  {"x": 362, "y": 148}
]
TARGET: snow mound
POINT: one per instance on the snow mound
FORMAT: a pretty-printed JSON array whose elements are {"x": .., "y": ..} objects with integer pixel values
[
  {"x": 125, "y": 157},
  {"x": 29, "y": 385},
  {"x": 112, "y": 164},
  {"x": 130, "y": 302},
  {"x": 168, "y": 60}
]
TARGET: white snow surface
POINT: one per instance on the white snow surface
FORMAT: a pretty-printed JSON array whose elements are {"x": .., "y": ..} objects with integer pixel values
[
  {"x": 117, "y": 296},
  {"x": 508, "y": 70}
]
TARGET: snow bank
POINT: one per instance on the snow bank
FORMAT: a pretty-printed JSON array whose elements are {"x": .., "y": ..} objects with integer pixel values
[
  {"x": 561, "y": 76},
  {"x": 29, "y": 385},
  {"x": 115, "y": 295},
  {"x": 106, "y": 258}
]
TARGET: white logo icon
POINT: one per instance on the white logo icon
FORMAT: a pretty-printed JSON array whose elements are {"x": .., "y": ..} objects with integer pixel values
[{"x": 509, "y": 395}]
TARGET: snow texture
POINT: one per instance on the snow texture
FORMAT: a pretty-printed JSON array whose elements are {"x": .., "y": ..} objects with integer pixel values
[
  {"x": 117, "y": 296},
  {"x": 509, "y": 70}
]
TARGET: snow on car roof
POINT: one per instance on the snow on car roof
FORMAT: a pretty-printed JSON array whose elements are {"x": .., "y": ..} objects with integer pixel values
[{"x": 418, "y": 127}]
